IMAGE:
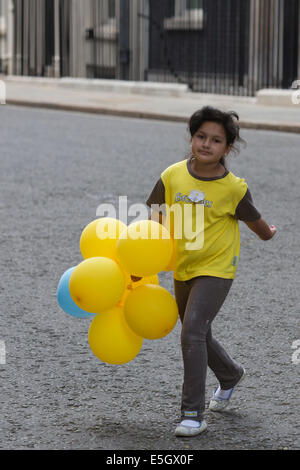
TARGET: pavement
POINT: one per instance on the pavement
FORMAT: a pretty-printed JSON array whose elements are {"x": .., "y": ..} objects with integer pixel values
[{"x": 168, "y": 102}]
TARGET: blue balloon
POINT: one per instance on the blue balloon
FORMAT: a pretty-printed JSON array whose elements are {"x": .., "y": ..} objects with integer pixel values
[{"x": 65, "y": 300}]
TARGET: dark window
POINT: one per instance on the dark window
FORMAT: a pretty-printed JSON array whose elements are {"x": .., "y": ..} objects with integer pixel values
[
  {"x": 194, "y": 4},
  {"x": 111, "y": 8}
]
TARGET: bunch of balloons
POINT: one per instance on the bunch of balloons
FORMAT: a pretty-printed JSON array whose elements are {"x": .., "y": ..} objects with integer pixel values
[{"x": 117, "y": 286}]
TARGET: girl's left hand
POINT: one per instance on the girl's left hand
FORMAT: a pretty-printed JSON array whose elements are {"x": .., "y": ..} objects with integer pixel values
[
  {"x": 135, "y": 278},
  {"x": 273, "y": 230}
]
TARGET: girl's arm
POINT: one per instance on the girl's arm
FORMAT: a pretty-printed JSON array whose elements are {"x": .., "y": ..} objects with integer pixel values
[
  {"x": 157, "y": 217},
  {"x": 262, "y": 229}
]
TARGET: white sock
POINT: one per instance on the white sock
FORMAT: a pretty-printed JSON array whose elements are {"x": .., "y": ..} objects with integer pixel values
[
  {"x": 191, "y": 423},
  {"x": 224, "y": 394}
]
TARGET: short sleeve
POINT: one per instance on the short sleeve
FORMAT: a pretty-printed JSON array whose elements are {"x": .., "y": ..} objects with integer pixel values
[
  {"x": 158, "y": 194},
  {"x": 246, "y": 211}
]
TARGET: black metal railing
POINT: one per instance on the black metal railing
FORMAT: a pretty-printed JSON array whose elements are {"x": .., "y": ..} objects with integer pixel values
[
  {"x": 226, "y": 46},
  {"x": 214, "y": 46}
]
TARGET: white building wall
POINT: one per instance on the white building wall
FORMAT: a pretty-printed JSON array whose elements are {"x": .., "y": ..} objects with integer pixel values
[{"x": 6, "y": 35}]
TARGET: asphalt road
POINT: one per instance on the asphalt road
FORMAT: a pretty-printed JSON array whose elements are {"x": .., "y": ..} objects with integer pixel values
[{"x": 56, "y": 168}]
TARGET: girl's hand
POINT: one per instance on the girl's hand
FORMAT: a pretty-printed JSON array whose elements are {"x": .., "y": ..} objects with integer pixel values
[
  {"x": 262, "y": 229},
  {"x": 136, "y": 278},
  {"x": 273, "y": 230}
]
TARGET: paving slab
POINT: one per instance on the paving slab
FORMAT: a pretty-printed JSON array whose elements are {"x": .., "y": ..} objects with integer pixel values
[{"x": 156, "y": 104}]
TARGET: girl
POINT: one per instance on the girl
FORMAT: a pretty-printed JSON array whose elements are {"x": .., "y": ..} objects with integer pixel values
[{"x": 204, "y": 270}]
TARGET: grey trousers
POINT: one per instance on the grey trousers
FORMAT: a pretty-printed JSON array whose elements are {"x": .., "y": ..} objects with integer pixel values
[{"x": 199, "y": 300}]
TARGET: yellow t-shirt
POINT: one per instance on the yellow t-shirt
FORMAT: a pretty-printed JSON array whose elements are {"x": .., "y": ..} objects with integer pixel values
[{"x": 201, "y": 218}]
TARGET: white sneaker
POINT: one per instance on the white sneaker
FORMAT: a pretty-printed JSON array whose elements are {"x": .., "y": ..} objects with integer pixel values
[
  {"x": 186, "y": 430},
  {"x": 219, "y": 404}
]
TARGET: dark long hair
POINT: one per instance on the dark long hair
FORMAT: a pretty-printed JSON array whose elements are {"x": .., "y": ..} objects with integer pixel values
[{"x": 229, "y": 120}]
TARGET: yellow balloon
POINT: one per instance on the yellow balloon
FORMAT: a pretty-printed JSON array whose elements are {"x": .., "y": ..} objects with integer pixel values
[
  {"x": 131, "y": 285},
  {"x": 111, "y": 339},
  {"x": 99, "y": 238},
  {"x": 151, "y": 311},
  {"x": 144, "y": 248},
  {"x": 171, "y": 265},
  {"x": 97, "y": 284}
]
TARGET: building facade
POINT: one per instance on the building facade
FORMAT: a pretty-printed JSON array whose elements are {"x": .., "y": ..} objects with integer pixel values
[{"x": 218, "y": 46}]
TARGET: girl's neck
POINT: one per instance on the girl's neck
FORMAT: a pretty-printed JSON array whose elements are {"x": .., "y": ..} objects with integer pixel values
[{"x": 207, "y": 171}]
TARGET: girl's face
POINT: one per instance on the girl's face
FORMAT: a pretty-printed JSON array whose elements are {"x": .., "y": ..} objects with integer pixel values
[{"x": 209, "y": 143}]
